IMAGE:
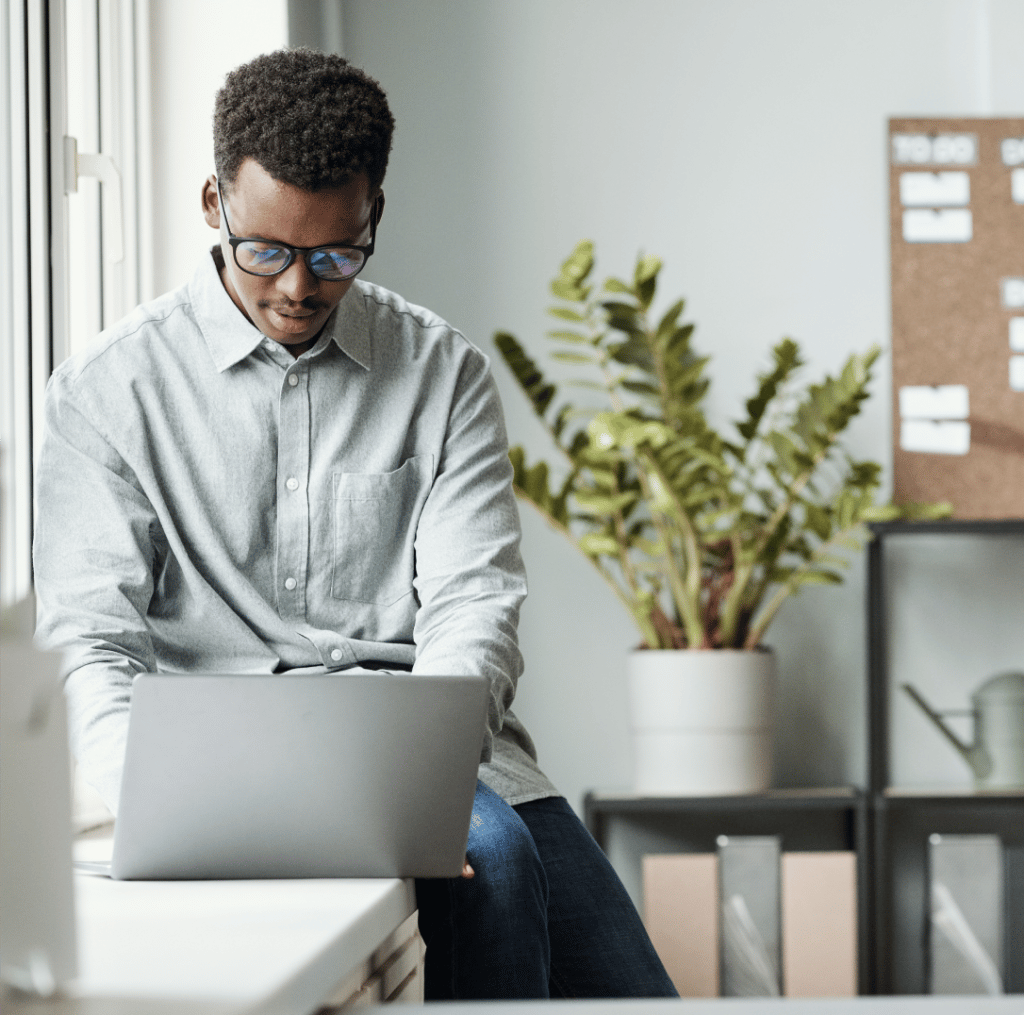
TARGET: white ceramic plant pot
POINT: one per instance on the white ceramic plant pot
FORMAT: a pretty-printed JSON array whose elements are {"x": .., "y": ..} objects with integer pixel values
[{"x": 703, "y": 721}]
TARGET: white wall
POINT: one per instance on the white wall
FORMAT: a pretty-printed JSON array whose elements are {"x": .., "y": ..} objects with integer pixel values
[
  {"x": 744, "y": 142},
  {"x": 193, "y": 44}
]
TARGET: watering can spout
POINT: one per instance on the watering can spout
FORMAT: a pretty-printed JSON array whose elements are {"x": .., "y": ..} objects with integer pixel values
[{"x": 974, "y": 754}]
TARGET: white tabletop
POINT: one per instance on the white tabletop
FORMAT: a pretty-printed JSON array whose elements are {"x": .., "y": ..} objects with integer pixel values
[
  {"x": 749, "y": 1006},
  {"x": 266, "y": 946}
]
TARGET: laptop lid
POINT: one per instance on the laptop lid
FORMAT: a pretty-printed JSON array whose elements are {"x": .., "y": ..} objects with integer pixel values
[{"x": 303, "y": 776}]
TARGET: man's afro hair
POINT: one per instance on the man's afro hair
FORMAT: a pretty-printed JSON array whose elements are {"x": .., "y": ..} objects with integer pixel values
[{"x": 309, "y": 119}]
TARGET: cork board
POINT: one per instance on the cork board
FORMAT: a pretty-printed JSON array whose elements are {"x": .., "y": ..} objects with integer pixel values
[{"x": 956, "y": 210}]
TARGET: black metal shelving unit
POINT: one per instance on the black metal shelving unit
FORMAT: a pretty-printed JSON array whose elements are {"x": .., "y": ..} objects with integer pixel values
[
  {"x": 888, "y": 828},
  {"x": 803, "y": 819},
  {"x": 901, "y": 821},
  {"x": 903, "y": 824}
]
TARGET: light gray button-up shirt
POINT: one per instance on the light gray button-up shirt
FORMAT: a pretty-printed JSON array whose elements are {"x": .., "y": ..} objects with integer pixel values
[{"x": 208, "y": 503}]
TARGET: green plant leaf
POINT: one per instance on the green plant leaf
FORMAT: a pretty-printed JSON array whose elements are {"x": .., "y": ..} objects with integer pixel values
[
  {"x": 787, "y": 360},
  {"x": 566, "y": 290},
  {"x": 667, "y": 324},
  {"x": 819, "y": 578},
  {"x": 577, "y": 266},
  {"x": 919, "y": 512},
  {"x": 641, "y": 388},
  {"x": 723, "y": 529},
  {"x": 595, "y": 544},
  {"x": 569, "y": 336},
  {"x": 653, "y": 548},
  {"x": 633, "y": 352},
  {"x": 819, "y": 521},
  {"x": 566, "y": 314},
  {"x": 881, "y": 513},
  {"x": 535, "y": 483},
  {"x": 526, "y": 372},
  {"x": 592, "y": 502},
  {"x": 572, "y": 357},
  {"x": 645, "y": 291},
  {"x": 646, "y": 269}
]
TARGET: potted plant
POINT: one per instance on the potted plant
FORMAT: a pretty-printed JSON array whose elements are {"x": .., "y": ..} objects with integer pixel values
[{"x": 701, "y": 535}]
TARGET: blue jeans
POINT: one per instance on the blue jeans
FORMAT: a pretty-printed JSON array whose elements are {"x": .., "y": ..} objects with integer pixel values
[{"x": 545, "y": 915}]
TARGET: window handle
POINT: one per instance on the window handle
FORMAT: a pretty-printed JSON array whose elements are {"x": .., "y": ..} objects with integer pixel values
[{"x": 78, "y": 164}]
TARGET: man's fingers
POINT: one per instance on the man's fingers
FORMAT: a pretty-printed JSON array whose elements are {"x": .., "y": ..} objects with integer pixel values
[{"x": 467, "y": 871}]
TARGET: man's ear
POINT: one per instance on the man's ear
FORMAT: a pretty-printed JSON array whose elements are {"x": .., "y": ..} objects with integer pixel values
[
  {"x": 379, "y": 210},
  {"x": 211, "y": 202}
]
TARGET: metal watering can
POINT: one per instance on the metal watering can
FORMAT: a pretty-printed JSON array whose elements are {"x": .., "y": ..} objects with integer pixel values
[{"x": 997, "y": 755}]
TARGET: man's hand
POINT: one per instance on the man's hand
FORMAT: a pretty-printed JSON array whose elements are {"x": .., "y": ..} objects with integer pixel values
[{"x": 467, "y": 871}]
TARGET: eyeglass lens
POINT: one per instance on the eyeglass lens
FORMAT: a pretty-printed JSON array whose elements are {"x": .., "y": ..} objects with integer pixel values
[{"x": 330, "y": 263}]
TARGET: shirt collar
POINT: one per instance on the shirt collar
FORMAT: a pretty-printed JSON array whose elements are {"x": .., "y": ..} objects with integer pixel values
[
  {"x": 349, "y": 326},
  {"x": 230, "y": 337}
]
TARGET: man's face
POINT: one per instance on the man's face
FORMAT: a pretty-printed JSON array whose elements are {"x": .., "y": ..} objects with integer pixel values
[{"x": 293, "y": 306}]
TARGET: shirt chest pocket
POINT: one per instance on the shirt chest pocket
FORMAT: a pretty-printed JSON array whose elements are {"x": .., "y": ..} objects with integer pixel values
[{"x": 375, "y": 519}]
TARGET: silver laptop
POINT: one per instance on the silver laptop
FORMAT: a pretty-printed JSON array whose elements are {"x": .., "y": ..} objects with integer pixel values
[{"x": 302, "y": 776}]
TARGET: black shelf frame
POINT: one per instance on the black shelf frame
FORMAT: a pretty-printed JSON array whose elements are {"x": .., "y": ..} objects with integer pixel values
[
  {"x": 903, "y": 824},
  {"x": 887, "y": 828},
  {"x": 901, "y": 821},
  {"x": 877, "y": 623},
  {"x": 804, "y": 820}
]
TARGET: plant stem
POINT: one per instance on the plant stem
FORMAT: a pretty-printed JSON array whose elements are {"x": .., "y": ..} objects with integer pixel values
[
  {"x": 734, "y": 600},
  {"x": 792, "y": 583},
  {"x": 686, "y": 587}
]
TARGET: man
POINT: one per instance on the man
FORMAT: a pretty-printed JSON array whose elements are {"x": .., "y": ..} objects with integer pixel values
[{"x": 282, "y": 467}]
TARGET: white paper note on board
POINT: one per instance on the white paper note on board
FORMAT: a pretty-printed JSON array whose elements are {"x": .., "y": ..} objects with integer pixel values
[
  {"x": 1017, "y": 373},
  {"x": 952, "y": 225},
  {"x": 1012, "y": 292},
  {"x": 935, "y": 437},
  {"x": 1017, "y": 334},
  {"x": 1017, "y": 185},
  {"x": 941, "y": 149},
  {"x": 946, "y": 401},
  {"x": 1012, "y": 150},
  {"x": 935, "y": 190}
]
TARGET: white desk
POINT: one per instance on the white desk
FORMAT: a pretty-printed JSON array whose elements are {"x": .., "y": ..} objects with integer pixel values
[
  {"x": 267, "y": 947},
  {"x": 749, "y": 1006}
]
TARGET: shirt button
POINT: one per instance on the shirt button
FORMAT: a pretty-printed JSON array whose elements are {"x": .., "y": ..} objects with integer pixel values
[
  {"x": 293, "y": 379},
  {"x": 290, "y": 583},
  {"x": 292, "y": 484},
  {"x": 336, "y": 654}
]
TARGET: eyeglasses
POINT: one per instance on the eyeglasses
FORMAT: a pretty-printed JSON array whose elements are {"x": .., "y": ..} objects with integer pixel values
[{"x": 333, "y": 262}]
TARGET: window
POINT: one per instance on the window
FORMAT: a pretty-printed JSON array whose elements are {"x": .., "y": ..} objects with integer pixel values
[
  {"x": 71, "y": 244},
  {"x": 25, "y": 298},
  {"x": 106, "y": 41}
]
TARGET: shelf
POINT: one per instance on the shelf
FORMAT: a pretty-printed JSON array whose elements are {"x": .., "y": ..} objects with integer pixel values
[
  {"x": 958, "y": 794},
  {"x": 903, "y": 827},
  {"x": 887, "y": 826},
  {"x": 694, "y": 822},
  {"x": 904, "y": 817},
  {"x": 628, "y": 826},
  {"x": 951, "y": 526},
  {"x": 811, "y": 796}
]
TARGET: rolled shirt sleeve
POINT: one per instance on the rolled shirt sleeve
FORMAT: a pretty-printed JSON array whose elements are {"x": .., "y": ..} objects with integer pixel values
[
  {"x": 95, "y": 543},
  {"x": 469, "y": 573}
]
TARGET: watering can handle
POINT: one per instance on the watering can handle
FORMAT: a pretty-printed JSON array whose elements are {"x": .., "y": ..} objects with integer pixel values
[{"x": 915, "y": 694}]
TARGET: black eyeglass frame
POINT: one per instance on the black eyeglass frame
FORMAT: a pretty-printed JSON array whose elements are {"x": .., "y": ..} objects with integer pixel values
[{"x": 306, "y": 252}]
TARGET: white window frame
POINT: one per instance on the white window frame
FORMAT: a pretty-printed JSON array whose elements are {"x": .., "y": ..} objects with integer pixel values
[
  {"x": 36, "y": 175},
  {"x": 33, "y": 286}
]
